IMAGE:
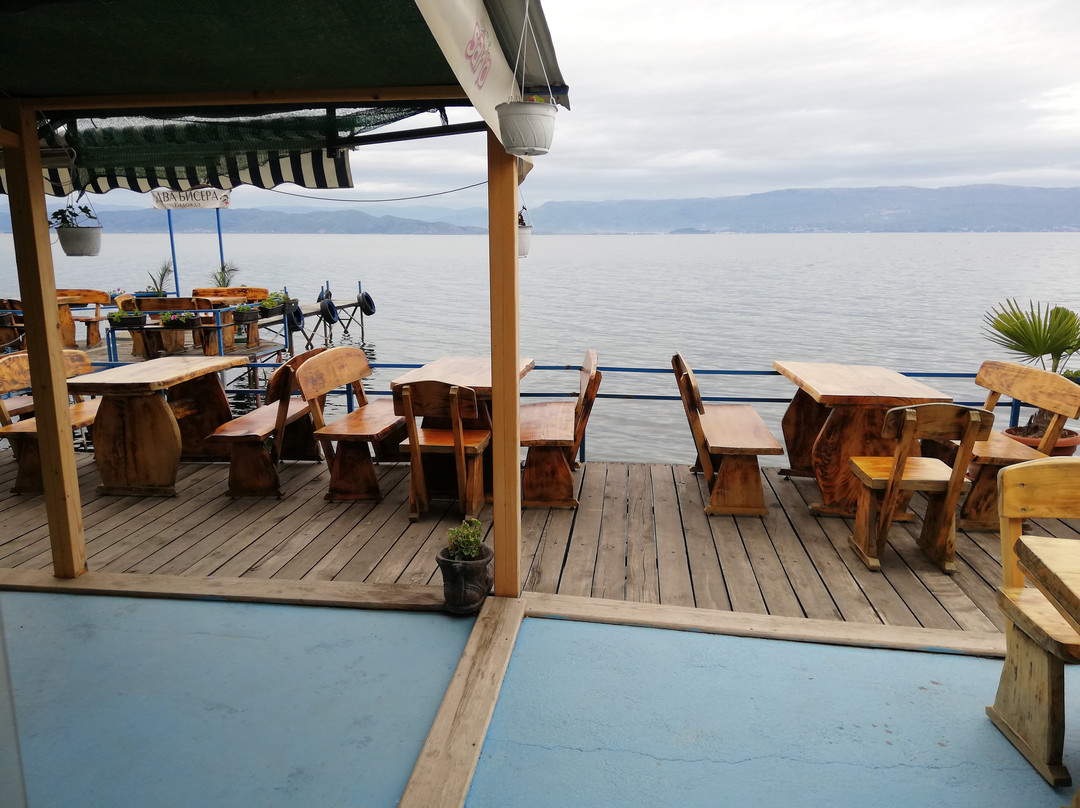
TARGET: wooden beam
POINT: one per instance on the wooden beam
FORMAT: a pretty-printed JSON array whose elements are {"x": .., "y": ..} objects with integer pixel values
[
  {"x": 445, "y": 768},
  {"x": 739, "y": 624},
  {"x": 244, "y": 590},
  {"x": 505, "y": 383},
  {"x": 9, "y": 140},
  {"x": 357, "y": 95},
  {"x": 37, "y": 288}
]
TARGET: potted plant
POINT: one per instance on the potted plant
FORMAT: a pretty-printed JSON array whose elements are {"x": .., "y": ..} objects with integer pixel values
[
  {"x": 466, "y": 564},
  {"x": 524, "y": 234},
  {"x": 127, "y": 319},
  {"x": 273, "y": 305},
  {"x": 77, "y": 237},
  {"x": 179, "y": 319},
  {"x": 246, "y": 313},
  {"x": 1047, "y": 335},
  {"x": 158, "y": 279},
  {"x": 527, "y": 127},
  {"x": 223, "y": 276}
]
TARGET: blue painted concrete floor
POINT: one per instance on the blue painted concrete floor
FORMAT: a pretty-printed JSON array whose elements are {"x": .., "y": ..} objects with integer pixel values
[
  {"x": 136, "y": 702},
  {"x": 597, "y": 715}
]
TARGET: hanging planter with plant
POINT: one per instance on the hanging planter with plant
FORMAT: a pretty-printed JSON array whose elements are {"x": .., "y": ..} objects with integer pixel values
[
  {"x": 526, "y": 121},
  {"x": 77, "y": 237},
  {"x": 524, "y": 234}
]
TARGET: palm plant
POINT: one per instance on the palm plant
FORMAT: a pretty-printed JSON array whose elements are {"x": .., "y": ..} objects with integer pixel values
[
  {"x": 223, "y": 276},
  {"x": 159, "y": 278},
  {"x": 1038, "y": 334}
]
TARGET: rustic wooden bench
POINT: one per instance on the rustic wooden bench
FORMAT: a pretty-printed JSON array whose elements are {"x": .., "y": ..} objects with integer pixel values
[
  {"x": 87, "y": 298},
  {"x": 284, "y": 420},
  {"x": 15, "y": 375},
  {"x": 152, "y": 340},
  {"x": 251, "y": 294},
  {"x": 887, "y": 480},
  {"x": 352, "y": 472},
  {"x": 1029, "y": 707},
  {"x": 552, "y": 431},
  {"x": 1039, "y": 388},
  {"x": 729, "y": 438}
]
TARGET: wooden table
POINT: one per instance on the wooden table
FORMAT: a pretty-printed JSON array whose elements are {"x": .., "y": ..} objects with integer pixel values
[
  {"x": 152, "y": 415},
  {"x": 463, "y": 371},
  {"x": 838, "y": 413}
]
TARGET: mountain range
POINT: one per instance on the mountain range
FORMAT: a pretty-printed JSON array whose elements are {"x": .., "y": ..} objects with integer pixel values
[{"x": 968, "y": 208}]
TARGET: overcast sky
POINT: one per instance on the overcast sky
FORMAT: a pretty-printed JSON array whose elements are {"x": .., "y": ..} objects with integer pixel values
[{"x": 704, "y": 98}]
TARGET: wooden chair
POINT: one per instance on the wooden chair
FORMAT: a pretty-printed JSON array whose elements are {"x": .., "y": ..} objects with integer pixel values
[
  {"x": 285, "y": 420},
  {"x": 453, "y": 406},
  {"x": 1029, "y": 707},
  {"x": 352, "y": 472},
  {"x": 729, "y": 438},
  {"x": 553, "y": 431},
  {"x": 11, "y": 324},
  {"x": 89, "y": 297},
  {"x": 1039, "y": 388},
  {"x": 886, "y": 480},
  {"x": 22, "y": 434}
]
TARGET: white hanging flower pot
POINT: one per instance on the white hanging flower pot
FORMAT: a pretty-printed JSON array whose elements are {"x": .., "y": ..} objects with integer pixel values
[
  {"x": 527, "y": 127},
  {"x": 524, "y": 237},
  {"x": 80, "y": 240}
]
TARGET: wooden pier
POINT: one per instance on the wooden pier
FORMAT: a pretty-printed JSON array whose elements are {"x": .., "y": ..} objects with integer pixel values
[{"x": 639, "y": 536}]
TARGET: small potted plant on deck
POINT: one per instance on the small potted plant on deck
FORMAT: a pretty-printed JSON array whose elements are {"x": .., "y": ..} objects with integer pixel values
[
  {"x": 77, "y": 235},
  {"x": 273, "y": 305},
  {"x": 1047, "y": 335},
  {"x": 127, "y": 319},
  {"x": 179, "y": 319},
  {"x": 466, "y": 564},
  {"x": 245, "y": 313}
]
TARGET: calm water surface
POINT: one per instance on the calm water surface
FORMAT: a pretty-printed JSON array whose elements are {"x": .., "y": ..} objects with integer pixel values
[{"x": 913, "y": 302}]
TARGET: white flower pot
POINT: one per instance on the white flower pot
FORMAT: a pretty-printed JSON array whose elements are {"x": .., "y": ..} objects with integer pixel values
[
  {"x": 527, "y": 127},
  {"x": 524, "y": 237},
  {"x": 80, "y": 240}
]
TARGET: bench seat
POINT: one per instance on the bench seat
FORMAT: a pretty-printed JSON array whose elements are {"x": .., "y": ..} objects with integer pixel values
[
  {"x": 548, "y": 423},
  {"x": 737, "y": 429},
  {"x": 372, "y": 422},
  {"x": 259, "y": 424},
  {"x": 18, "y": 405},
  {"x": 23, "y": 437}
]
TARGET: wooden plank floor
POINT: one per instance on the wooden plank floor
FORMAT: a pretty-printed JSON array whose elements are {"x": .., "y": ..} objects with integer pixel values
[{"x": 640, "y": 534}]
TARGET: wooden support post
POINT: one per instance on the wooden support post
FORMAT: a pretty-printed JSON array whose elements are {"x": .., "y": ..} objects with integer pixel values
[
  {"x": 37, "y": 288},
  {"x": 505, "y": 383}
]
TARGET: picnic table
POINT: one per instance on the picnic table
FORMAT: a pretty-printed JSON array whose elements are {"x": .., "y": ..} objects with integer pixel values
[
  {"x": 154, "y": 414},
  {"x": 838, "y": 413},
  {"x": 463, "y": 371}
]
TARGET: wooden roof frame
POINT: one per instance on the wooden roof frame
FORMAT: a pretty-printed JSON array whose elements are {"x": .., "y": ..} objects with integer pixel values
[{"x": 19, "y": 140}]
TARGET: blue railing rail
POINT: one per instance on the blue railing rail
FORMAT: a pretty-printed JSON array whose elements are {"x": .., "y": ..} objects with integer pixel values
[{"x": 1015, "y": 407}]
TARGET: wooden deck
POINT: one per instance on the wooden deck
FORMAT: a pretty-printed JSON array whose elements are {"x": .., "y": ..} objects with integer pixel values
[{"x": 640, "y": 535}]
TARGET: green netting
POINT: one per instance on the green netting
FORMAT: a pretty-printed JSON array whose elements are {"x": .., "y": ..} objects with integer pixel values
[{"x": 148, "y": 146}]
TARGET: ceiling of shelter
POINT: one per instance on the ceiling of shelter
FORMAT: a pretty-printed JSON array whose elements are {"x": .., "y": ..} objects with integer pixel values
[{"x": 129, "y": 47}]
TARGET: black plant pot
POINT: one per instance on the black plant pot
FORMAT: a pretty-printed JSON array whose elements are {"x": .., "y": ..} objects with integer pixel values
[
  {"x": 466, "y": 583},
  {"x": 132, "y": 321},
  {"x": 246, "y": 316},
  {"x": 188, "y": 323},
  {"x": 270, "y": 312}
]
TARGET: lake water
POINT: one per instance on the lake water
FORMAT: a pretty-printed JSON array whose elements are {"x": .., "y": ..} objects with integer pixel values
[{"x": 912, "y": 302}]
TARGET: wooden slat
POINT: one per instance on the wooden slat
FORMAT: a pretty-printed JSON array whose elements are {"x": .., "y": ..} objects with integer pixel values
[
  {"x": 673, "y": 572},
  {"x": 706, "y": 575},
  {"x": 642, "y": 582},
  {"x": 577, "y": 576},
  {"x": 446, "y": 764},
  {"x": 609, "y": 579}
]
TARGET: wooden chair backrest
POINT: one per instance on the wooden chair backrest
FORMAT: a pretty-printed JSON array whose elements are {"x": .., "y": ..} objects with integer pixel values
[
  {"x": 253, "y": 294},
  {"x": 432, "y": 399},
  {"x": 282, "y": 382},
  {"x": 173, "y": 304},
  {"x": 127, "y": 302},
  {"x": 590, "y": 383},
  {"x": 86, "y": 297},
  {"x": 1048, "y": 488},
  {"x": 694, "y": 408},
  {"x": 1035, "y": 386},
  {"x": 15, "y": 374},
  {"x": 330, "y": 369},
  {"x": 938, "y": 422}
]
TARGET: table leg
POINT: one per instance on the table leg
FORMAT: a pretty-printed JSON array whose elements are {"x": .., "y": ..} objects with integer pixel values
[
  {"x": 848, "y": 432},
  {"x": 547, "y": 481},
  {"x": 201, "y": 407},
  {"x": 67, "y": 327},
  {"x": 136, "y": 446},
  {"x": 802, "y": 423}
]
